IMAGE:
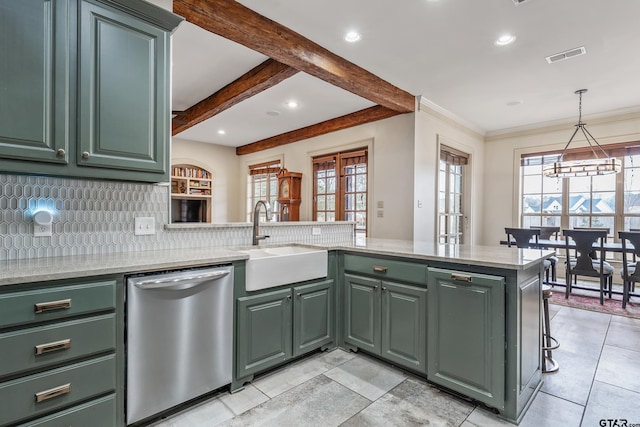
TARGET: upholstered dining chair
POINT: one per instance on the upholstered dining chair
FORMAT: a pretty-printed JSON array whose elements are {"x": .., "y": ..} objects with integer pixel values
[
  {"x": 526, "y": 238},
  {"x": 583, "y": 264},
  {"x": 630, "y": 271},
  {"x": 546, "y": 232}
]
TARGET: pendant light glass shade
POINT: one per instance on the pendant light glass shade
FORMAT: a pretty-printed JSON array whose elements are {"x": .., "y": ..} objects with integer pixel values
[{"x": 599, "y": 165}]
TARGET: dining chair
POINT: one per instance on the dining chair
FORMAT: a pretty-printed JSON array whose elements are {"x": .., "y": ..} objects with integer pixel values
[
  {"x": 546, "y": 232},
  {"x": 582, "y": 264},
  {"x": 526, "y": 238},
  {"x": 630, "y": 271}
]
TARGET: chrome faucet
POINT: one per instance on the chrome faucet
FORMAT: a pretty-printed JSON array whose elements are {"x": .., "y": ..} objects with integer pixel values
[{"x": 256, "y": 220}]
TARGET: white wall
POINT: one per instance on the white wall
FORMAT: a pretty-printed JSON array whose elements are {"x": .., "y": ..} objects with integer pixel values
[
  {"x": 223, "y": 163},
  {"x": 391, "y": 150},
  {"x": 502, "y": 163},
  {"x": 431, "y": 130}
]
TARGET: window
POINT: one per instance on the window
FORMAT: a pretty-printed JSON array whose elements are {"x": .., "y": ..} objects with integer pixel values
[
  {"x": 450, "y": 195},
  {"x": 607, "y": 201},
  {"x": 262, "y": 185},
  {"x": 340, "y": 188}
]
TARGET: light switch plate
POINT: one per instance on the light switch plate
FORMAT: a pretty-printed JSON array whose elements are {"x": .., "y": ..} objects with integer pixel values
[{"x": 145, "y": 225}]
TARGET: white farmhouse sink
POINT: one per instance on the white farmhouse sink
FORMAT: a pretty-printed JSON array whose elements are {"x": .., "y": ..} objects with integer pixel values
[{"x": 282, "y": 265}]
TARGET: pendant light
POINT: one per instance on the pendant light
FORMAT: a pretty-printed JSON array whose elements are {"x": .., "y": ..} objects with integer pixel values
[{"x": 600, "y": 164}]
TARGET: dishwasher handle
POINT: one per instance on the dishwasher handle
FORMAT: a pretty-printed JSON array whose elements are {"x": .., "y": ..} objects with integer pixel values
[{"x": 178, "y": 283}]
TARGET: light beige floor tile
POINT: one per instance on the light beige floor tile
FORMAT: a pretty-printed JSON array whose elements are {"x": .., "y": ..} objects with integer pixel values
[
  {"x": 413, "y": 403},
  {"x": 624, "y": 335},
  {"x": 610, "y": 402},
  {"x": 366, "y": 376},
  {"x": 619, "y": 367},
  {"x": 244, "y": 400},
  {"x": 318, "y": 402}
]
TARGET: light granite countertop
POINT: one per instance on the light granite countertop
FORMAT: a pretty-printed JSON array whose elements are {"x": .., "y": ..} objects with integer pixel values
[{"x": 55, "y": 268}]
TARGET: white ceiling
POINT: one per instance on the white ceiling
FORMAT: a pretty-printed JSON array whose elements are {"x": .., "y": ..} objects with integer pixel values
[{"x": 442, "y": 50}]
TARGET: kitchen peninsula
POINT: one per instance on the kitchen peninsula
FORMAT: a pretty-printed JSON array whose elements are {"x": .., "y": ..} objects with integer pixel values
[{"x": 477, "y": 333}]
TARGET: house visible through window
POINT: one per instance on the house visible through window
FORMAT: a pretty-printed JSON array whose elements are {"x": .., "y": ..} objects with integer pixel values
[
  {"x": 262, "y": 185},
  {"x": 340, "y": 188}
]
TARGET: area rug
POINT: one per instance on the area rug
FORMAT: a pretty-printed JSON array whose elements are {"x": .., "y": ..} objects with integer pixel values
[{"x": 590, "y": 300}]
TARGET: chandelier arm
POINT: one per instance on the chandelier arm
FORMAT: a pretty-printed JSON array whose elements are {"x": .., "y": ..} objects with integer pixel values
[
  {"x": 586, "y": 132},
  {"x": 564, "y": 150}
]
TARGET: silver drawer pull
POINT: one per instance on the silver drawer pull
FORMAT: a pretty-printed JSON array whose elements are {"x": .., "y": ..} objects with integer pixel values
[
  {"x": 62, "y": 304},
  {"x": 461, "y": 277},
  {"x": 53, "y": 392},
  {"x": 53, "y": 346},
  {"x": 379, "y": 269}
]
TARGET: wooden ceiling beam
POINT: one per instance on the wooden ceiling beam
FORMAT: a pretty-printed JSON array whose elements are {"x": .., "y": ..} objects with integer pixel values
[
  {"x": 262, "y": 77},
  {"x": 361, "y": 117},
  {"x": 236, "y": 22}
]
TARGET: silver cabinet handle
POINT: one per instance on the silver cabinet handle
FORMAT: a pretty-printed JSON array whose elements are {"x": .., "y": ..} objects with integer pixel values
[
  {"x": 61, "y": 152},
  {"x": 53, "y": 392},
  {"x": 379, "y": 269},
  {"x": 85, "y": 155},
  {"x": 289, "y": 297},
  {"x": 53, "y": 346},
  {"x": 461, "y": 277},
  {"x": 298, "y": 294},
  {"x": 375, "y": 288},
  {"x": 63, "y": 304},
  {"x": 384, "y": 288}
]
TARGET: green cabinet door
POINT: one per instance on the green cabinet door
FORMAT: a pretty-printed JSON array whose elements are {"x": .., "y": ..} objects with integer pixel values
[
  {"x": 35, "y": 82},
  {"x": 313, "y": 316},
  {"x": 404, "y": 325},
  {"x": 123, "y": 91},
  {"x": 362, "y": 312},
  {"x": 264, "y": 331},
  {"x": 466, "y": 334}
]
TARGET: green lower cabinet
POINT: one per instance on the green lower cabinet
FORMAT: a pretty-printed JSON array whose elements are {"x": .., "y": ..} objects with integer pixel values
[
  {"x": 387, "y": 319},
  {"x": 466, "y": 334},
  {"x": 264, "y": 331},
  {"x": 404, "y": 325},
  {"x": 313, "y": 316},
  {"x": 278, "y": 325}
]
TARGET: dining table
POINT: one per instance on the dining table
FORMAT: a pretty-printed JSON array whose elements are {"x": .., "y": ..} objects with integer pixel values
[{"x": 561, "y": 244}]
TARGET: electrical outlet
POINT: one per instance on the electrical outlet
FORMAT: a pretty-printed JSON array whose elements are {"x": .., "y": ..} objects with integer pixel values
[
  {"x": 380, "y": 213},
  {"x": 145, "y": 225}
]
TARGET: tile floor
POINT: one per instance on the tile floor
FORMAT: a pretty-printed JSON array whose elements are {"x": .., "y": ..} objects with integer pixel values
[{"x": 599, "y": 378}]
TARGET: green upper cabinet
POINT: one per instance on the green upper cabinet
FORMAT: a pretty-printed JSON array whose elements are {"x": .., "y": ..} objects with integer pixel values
[
  {"x": 123, "y": 106},
  {"x": 85, "y": 88},
  {"x": 35, "y": 80}
]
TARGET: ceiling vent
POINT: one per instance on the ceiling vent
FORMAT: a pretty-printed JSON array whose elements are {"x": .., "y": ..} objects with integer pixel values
[
  {"x": 561, "y": 56},
  {"x": 517, "y": 2}
]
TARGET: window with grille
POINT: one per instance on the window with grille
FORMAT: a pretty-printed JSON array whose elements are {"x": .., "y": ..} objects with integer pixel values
[
  {"x": 606, "y": 201},
  {"x": 262, "y": 185},
  {"x": 450, "y": 195},
  {"x": 340, "y": 188}
]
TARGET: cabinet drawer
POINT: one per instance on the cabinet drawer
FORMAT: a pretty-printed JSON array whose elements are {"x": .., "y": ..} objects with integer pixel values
[
  {"x": 97, "y": 413},
  {"x": 44, "y": 345},
  {"x": 386, "y": 268},
  {"x": 55, "y": 303},
  {"x": 56, "y": 388}
]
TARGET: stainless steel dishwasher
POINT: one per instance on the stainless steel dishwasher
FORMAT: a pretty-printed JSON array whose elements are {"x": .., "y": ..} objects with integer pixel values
[{"x": 179, "y": 338}]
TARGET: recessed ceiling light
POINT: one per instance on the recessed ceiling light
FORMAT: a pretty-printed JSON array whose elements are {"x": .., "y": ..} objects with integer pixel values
[
  {"x": 273, "y": 113},
  {"x": 505, "y": 39},
  {"x": 221, "y": 132},
  {"x": 352, "y": 36},
  {"x": 292, "y": 104},
  {"x": 514, "y": 103}
]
